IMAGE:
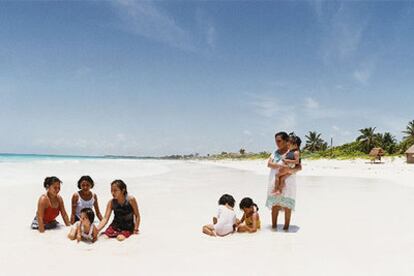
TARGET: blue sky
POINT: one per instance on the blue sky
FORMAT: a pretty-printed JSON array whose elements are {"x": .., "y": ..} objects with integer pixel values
[{"x": 155, "y": 78}]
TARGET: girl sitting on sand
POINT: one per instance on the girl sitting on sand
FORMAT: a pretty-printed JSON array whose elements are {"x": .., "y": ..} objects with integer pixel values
[
  {"x": 49, "y": 206},
  {"x": 84, "y": 198},
  {"x": 250, "y": 222},
  {"x": 126, "y": 214},
  {"x": 225, "y": 222},
  {"x": 84, "y": 229},
  {"x": 290, "y": 160}
]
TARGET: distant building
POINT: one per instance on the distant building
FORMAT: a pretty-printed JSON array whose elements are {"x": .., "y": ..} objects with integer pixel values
[{"x": 410, "y": 154}]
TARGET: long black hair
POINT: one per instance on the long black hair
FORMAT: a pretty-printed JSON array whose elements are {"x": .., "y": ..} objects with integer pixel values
[
  {"x": 121, "y": 185},
  {"x": 247, "y": 202}
]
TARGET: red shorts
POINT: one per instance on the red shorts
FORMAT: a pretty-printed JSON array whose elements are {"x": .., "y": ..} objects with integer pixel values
[{"x": 113, "y": 233}]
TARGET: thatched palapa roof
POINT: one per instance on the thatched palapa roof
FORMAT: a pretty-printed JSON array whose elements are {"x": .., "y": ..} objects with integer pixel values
[
  {"x": 410, "y": 150},
  {"x": 376, "y": 152}
]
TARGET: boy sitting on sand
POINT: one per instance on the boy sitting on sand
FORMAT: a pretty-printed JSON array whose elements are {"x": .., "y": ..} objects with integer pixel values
[{"x": 225, "y": 222}]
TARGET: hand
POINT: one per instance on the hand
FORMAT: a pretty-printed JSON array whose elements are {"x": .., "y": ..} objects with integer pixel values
[{"x": 136, "y": 231}]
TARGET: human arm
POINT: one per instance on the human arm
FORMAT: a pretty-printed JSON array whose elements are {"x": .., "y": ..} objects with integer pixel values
[
  {"x": 63, "y": 211},
  {"x": 296, "y": 169},
  {"x": 105, "y": 219},
  {"x": 94, "y": 233},
  {"x": 274, "y": 165},
  {"x": 41, "y": 206},
  {"x": 295, "y": 160},
  {"x": 96, "y": 206},
  {"x": 137, "y": 216},
  {"x": 78, "y": 232},
  {"x": 75, "y": 198},
  {"x": 242, "y": 219},
  {"x": 255, "y": 218}
]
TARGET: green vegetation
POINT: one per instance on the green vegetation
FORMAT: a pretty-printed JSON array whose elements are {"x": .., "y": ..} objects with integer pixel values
[{"x": 316, "y": 148}]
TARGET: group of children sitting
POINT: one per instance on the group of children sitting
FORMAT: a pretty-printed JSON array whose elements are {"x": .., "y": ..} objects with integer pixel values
[
  {"x": 226, "y": 221},
  {"x": 124, "y": 206}
]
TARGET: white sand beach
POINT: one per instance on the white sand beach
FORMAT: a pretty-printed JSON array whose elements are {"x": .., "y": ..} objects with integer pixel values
[{"x": 351, "y": 218}]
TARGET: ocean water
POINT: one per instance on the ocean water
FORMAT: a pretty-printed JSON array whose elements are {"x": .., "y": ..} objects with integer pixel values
[
  {"x": 11, "y": 157},
  {"x": 7, "y": 157}
]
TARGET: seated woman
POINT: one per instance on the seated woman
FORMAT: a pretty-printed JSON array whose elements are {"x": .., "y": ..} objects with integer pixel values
[
  {"x": 49, "y": 206},
  {"x": 127, "y": 218}
]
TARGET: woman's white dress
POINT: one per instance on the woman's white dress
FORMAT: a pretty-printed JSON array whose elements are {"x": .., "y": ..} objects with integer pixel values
[{"x": 287, "y": 198}]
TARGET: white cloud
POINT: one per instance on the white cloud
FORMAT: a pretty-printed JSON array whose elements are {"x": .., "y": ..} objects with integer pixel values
[
  {"x": 365, "y": 70},
  {"x": 247, "y": 132},
  {"x": 362, "y": 75},
  {"x": 344, "y": 33},
  {"x": 82, "y": 71},
  {"x": 311, "y": 103},
  {"x": 211, "y": 36},
  {"x": 146, "y": 19}
]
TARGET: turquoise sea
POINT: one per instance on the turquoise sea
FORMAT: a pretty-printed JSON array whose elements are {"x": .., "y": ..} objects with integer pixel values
[{"x": 12, "y": 157}]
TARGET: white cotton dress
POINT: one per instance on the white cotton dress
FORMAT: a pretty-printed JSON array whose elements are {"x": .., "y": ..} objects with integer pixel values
[
  {"x": 287, "y": 198},
  {"x": 226, "y": 218}
]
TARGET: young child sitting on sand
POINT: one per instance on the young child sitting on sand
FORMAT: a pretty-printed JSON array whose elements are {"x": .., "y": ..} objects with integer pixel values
[
  {"x": 84, "y": 229},
  {"x": 250, "y": 222},
  {"x": 126, "y": 214},
  {"x": 49, "y": 206},
  {"x": 290, "y": 161},
  {"x": 225, "y": 222},
  {"x": 84, "y": 198}
]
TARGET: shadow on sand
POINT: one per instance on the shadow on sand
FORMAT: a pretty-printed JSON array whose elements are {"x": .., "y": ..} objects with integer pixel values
[{"x": 292, "y": 229}]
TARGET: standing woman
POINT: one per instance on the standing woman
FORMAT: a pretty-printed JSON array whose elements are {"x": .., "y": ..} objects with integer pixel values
[
  {"x": 126, "y": 214},
  {"x": 49, "y": 206},
  {"x": 286, "y": 200}
]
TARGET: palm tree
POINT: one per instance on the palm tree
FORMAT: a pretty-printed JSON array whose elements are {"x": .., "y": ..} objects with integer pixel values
[
  {"x": 408, "y": 139},
  {"x": 409, "y": 132},
  {"x": 387, "y": 141},
  {"x": 368, "y": 138},
  {"x": 314, "y": 142}
]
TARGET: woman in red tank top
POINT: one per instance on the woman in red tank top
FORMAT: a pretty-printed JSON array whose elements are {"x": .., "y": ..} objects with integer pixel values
[{"x": 49, "y": 206}]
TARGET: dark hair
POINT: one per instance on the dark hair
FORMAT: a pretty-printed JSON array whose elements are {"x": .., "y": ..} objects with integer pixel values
[
  {"x": 283, "y": 135},
  {"x": 295, "y": 139},
  {"x": 85, "y": 178},
  {"x": 227, "y": 199},
  {"x": 89, "y": 213},
  {"x": 247, "y": 202},
  {"x": 50, "y": 180},
  {"x": 121, "y": 185}
]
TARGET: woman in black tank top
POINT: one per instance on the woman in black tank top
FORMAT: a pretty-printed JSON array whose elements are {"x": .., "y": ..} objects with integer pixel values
[{"x": 126, "y": 214}]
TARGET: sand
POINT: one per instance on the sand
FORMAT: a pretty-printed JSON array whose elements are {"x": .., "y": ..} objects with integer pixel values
[{"x": 351, "y": 218}]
